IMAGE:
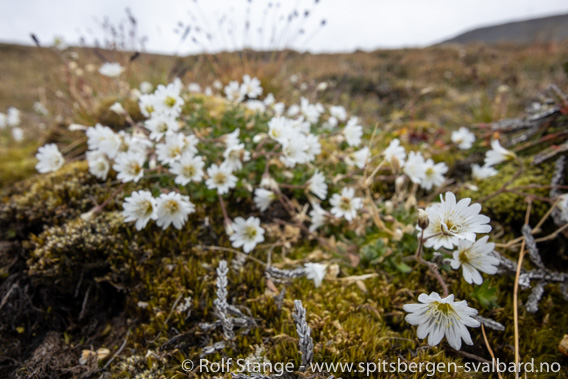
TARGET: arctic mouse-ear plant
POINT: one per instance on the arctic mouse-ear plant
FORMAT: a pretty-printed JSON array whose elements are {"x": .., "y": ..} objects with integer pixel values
[{"x": 451, "y": 223}]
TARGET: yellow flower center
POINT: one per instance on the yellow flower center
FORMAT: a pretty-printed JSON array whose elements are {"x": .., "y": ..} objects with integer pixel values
[
  {"x": 172, "y": 206},
  {"x": 250, "y": 232},
  {"x": 345, "y": 204},
  {"x": 188, "y": 171},
  {"x": 464, "y": 256},
  {"x": 170, "y": 101},
  {"x": 445, "y": 308},
  {"x": 149, "y": 208},
  {"x": 135, "y": 168},
  {"x": 163, "y": 127},
  {"x": 220, "y": 178}
]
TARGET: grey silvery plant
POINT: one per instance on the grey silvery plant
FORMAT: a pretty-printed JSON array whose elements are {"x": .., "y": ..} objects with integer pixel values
[
  {"x": 304, "y": 332},
  {"x": 221, "y": 304}
]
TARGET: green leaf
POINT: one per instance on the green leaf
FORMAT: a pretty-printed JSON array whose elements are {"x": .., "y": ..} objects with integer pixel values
[{"x": 486, "y": 295}]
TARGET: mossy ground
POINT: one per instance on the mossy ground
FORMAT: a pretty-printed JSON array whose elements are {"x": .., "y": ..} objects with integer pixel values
[{"x": 82, "y": 283}]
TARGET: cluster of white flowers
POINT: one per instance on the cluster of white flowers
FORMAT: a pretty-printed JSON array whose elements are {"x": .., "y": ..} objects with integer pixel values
[
  {"x": 453, "y": 224},
  {"x": 168, "y": 209},
  {"x": 419, "y": 170},
  {"x": 111, "y": 69},
  {"x": 163, "y": 144},
  {"x": 12, "y": 119},
  {"x": 250, "y": 87}
]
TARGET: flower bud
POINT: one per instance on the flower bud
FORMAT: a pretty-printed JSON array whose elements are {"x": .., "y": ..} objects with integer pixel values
[
  {"x": 389, "y": 207},
  {"x": 423, "y": 220},
  {"x": 395, "y": 163},
  {"x": 268, "y": 183},
  {"x": 398, "y": 183},
  {"x": 398, "y": 234},
  {"x": 229, "y": 228}
]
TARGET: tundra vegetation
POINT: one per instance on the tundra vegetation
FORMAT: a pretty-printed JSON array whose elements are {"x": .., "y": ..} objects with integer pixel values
[{"x": 404, "y": 204}]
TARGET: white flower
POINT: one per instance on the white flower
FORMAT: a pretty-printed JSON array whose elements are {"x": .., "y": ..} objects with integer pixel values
[
  {"x": 318, "y": 215},
  {"x": 118, "y": 108},
  {"x": 217, "y": 84},
  {"x": 175, "y": 145},
  {"x": 194, "y": 88},
  {"x": 437, "y": 317},
  {"x": 433, "y": 174},
  {"x": 148, "y": 104},
  {"x": 13, "y": 117},
  {"x": 279, "y": 128},
  {"x": 232, "y": 139},
  {"x": 338, "y": 112},
  {"x": 346, "y": 204},
  {"x": 99, "y": 165},
  {"x": 18, "y": 134},
  {"x": 111, "y": 70},
  {"x": 134, "y": 143},
  {"x": 463, "y": 138},
  {"x": 269, "y": 100},
  {"x": 294, "y": 150},
  {"x": 395, "y": 151},
  {"x": 313, "y": 147},
  {"x": 168, "y": 99},
  {"x": 358, "y": 158},
  {"x": 188, "y": 169},
  {"x": 235, "y": 155},
  {"x": 251, "y": 87},
  {"x": 59, "y": 43},
  {"x": 146, "y": 87},
  {"x": 102, "y": 138},
  {"x": 139, "y": 207},
  {"x": 40, "y": 109},
  {"x": 317, "y": 185},
  {"x": 173, "y": 208},
  {"x": 256, "y": 106},
  {"x": 497, "y": 154},
  {"x": 474, "y": 257},
  {"x": 415, "y": 167},
  {"x": 129, "y": 167},
  {"x": 263, "y": 198},
  {"x": 278, "y": 108},
  {"x": 233, "y": 92},
  {"x": 452, "y": 221},
  {"x": 331, "y": 123},
  {"x": 482, "y": 172},
  {"x": 353, "y": 132},
  {"x": 246, "y": 233},
  {"x": 315, "y": 272},
  {"x": 220, "y": 178},
  {"x": 161, "y": 124},
  {"x": 310, "y": 111},
  {"x": 50, "y": 159}
]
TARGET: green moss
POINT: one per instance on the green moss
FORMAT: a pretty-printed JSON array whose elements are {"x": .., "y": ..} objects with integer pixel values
[
  {"x": 509, "y": 208},
  {"x": 18, "y": 163}
]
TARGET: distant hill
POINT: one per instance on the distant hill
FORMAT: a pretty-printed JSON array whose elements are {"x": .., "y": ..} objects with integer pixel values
[{"x": 546, "y": 29}]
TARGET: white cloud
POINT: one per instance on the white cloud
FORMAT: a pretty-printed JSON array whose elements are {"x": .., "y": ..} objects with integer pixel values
[{"x": 365, "y": 24}]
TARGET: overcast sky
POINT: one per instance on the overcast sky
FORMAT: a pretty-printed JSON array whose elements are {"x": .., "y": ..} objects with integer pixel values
[{"x": 350, "y": 24}]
